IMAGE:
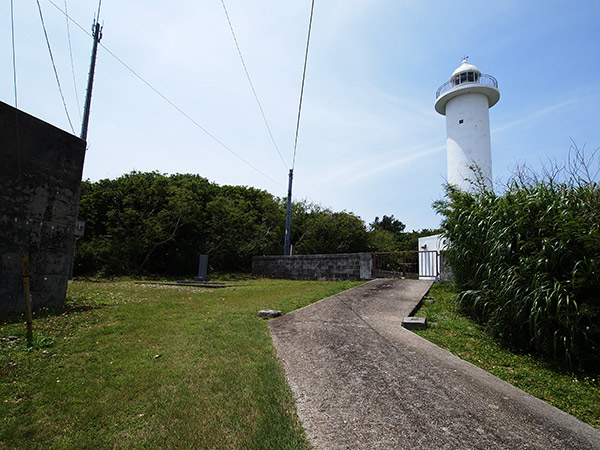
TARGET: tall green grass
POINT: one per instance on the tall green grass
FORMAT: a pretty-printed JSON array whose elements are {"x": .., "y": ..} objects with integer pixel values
[{"x": 527, "y": 262}]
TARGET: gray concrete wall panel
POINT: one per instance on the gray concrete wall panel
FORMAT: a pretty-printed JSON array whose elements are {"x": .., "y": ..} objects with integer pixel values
[
  {"x": 337, "y": 267},
  {"x": 40, "y": 178}
]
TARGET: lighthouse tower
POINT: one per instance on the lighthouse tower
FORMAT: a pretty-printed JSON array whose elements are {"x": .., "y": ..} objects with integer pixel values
[{"x": 465, "y": 100}]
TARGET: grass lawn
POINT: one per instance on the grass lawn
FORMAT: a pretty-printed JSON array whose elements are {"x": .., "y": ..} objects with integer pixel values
[
  {"x": 131, "y": 366},
  {"x": 577, "y": 394}
]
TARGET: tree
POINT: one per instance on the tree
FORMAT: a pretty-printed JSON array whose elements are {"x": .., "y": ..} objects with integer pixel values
[
  {"x": 141, "y": 222},
  {"x": 243, "y": 222},
  {"x": 150, "y": 223},
  {"x": 382, "y": 241},
  {"x": 388, "y": 223},
  {"x": 318, "y": 230}
]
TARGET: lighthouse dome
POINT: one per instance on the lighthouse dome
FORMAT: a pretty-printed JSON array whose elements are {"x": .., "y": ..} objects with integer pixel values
[
  {"x": 465, "y": 73},
  {"x": 464, "y": 68}
]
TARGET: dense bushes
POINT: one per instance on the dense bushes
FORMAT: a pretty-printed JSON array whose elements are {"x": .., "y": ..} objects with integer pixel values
[
  {"x": 528, "y": 261},
  {"x": 152, "y": 223},
  {"x": 149, "y": 223}
]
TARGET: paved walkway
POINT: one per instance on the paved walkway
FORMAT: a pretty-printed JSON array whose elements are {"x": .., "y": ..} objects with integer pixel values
[{"x": 361, "y": 381}]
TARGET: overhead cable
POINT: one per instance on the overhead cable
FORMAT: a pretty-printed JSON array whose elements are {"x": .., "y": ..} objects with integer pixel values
[
  {"x": 184, "y": 114},
  {"x": 54, "y": 67},
  {"x": 165, "y": 98},
  {"x": 251, "y": 84},
  {"x": 312, "y": 8},
  {"x": 71, "y": 56}
]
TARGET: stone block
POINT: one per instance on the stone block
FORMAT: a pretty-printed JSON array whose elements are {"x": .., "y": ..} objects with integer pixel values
[
  {"x": 414, "y": 323},
  {"x": 270, "y": 313}
]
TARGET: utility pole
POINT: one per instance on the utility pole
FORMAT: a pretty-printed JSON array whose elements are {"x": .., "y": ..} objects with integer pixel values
[
  {"x": 288, "y": 217},
  {"x": 96, "y": 35}
]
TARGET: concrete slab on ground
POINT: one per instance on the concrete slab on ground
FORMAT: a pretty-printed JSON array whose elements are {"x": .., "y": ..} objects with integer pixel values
[{"x": 361, "y": 381}]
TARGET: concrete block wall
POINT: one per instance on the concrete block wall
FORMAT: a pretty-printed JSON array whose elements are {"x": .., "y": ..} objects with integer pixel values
[
  {"x": 337, "y": 267},
  {"x": 40, "y": 178},
  {"x": 446, "y": 273}
]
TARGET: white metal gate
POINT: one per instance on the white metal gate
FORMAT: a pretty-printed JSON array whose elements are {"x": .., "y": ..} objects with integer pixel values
[{"x": 424, "y": 265}]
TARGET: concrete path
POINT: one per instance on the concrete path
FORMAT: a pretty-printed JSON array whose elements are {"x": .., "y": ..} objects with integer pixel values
[{"x": 361, "y": 381}]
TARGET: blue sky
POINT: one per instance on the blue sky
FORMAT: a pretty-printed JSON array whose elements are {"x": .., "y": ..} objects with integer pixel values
[{"x": 370, "y": 141}]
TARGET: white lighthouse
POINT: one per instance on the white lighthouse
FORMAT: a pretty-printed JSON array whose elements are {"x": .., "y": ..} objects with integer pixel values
[{"x": 465, "y": 100}]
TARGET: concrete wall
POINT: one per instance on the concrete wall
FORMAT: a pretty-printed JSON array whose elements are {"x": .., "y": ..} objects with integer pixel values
[
  {"x": 446, "y": 272},
  {"x": 40, "y": 178},
  {"x": 345, "y": 266}
]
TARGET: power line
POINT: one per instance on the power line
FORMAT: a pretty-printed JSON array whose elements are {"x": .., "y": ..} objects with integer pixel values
[
  {"x": 184, "y": 114},
  {"x": 312, "y": 8},
  {"x": 71, "y": 56},
  {"x": 54, "y": 66},
  {"x": 69, "y": 18},
  {"x": 165, "y": 98},
  {"x": 251, "y": 84}
]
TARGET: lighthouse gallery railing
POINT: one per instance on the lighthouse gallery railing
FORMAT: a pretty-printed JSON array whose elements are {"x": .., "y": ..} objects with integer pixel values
[{"x": 487, "y": 80}]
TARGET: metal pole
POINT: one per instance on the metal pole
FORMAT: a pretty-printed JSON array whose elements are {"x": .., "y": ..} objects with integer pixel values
[
  {"x": 97, "y": 35},
  {"x": 288, "y": 217}
]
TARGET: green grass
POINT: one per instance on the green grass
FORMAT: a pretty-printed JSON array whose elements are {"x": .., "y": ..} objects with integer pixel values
[
  {"x": 131, "y": 366},
  {"x": 577, "y": 394}
]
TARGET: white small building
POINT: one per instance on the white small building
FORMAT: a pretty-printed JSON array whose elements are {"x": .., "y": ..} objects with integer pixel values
[{"x": 465, "y": 100}]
